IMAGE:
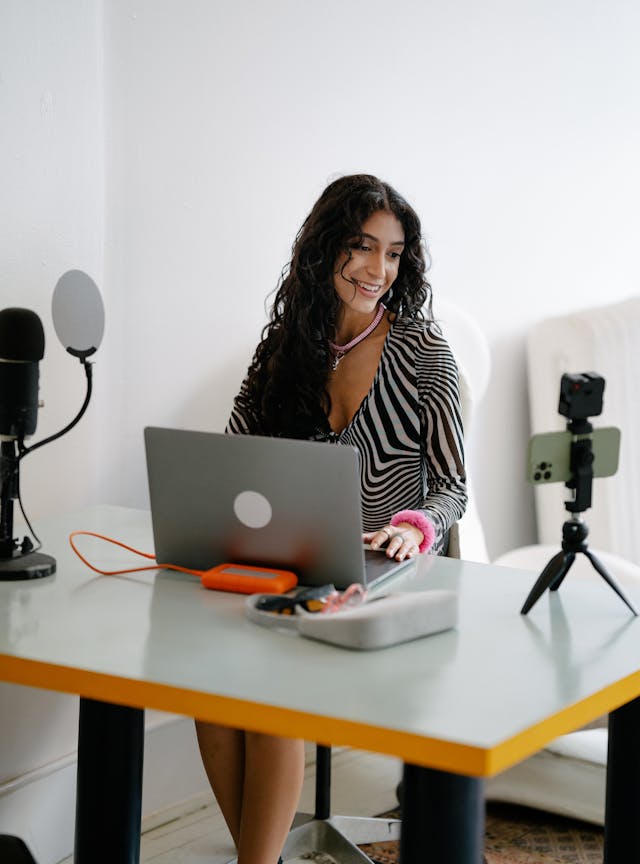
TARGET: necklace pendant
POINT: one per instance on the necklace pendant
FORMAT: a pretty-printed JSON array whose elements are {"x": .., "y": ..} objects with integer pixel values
[{"x": 341, "y": 350}]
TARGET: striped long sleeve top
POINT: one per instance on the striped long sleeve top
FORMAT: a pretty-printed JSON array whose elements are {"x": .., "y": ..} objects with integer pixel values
[{"x": 408, "y": 431}]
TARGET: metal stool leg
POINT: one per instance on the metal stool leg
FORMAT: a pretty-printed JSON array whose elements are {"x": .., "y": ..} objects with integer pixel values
[{"x": 337, "y": 836}]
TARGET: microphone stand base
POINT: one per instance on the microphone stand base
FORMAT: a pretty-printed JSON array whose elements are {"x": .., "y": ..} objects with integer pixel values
[{"x": 33, "y": 565}]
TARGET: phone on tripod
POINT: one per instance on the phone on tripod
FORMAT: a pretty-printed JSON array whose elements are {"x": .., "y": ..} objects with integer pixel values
[
  {"x": 549, "y": 455},
  {"x": 574, "y": 457}
]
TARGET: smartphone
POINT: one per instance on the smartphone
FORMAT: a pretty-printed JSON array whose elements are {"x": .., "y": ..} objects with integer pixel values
[{"x": 550, "y": 454}]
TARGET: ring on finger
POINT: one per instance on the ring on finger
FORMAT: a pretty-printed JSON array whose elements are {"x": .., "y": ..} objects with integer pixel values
[{"x": 387, "y": 532}]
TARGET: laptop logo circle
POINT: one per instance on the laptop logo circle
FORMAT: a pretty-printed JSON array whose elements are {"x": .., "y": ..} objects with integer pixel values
[{"x": 252, "y": 509}]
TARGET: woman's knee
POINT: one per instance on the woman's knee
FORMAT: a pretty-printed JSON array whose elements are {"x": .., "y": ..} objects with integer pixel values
[{"x": 214, "y": 735}]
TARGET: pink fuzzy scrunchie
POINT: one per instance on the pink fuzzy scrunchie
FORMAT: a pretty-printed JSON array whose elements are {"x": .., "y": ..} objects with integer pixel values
[{"x": 419, "y": 521}]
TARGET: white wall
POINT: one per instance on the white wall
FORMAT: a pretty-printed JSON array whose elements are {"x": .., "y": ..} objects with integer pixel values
[
  {"x": 51, "y": 220},
  {"x": 512, "y": 127},
  {"x": 52, "y": 214}
]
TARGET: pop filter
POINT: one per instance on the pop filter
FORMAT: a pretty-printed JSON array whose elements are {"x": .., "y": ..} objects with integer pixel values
[{"x": 78, "y": 313}]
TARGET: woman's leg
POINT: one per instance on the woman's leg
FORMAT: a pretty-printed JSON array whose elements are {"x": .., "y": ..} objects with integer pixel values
[
  {"x": 222, "y": 751},
  {"x": 274, "y": 771},
  {"x": 257, "y": 780}
]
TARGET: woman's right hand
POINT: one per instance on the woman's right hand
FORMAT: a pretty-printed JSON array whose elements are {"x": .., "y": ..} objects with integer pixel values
[{"x": 402, "y": 541}]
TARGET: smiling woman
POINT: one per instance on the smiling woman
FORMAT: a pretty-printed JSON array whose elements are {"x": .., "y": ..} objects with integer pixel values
[{"x": 347, "y": 357}]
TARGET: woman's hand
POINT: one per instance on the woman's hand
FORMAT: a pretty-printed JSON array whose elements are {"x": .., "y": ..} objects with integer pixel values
[{"x": 402, "y": 540}]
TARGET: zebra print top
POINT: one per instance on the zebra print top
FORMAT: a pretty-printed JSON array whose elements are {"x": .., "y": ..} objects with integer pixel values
[{"x": 408, "y": 431}]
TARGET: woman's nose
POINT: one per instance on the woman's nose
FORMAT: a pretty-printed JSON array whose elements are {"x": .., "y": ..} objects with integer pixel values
[{"x": 377, "y": 265}]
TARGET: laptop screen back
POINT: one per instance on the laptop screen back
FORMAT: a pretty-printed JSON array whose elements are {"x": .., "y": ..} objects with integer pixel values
[{"x": 246, "y": 499}]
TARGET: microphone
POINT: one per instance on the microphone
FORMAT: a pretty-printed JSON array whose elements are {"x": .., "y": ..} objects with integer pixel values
[
  {"x": 78, "y": 318},
  {"x": 21, "y": 348}
]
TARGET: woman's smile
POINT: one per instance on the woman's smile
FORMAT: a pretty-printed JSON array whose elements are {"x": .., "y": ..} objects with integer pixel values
[{"x": 367, "y": 288}]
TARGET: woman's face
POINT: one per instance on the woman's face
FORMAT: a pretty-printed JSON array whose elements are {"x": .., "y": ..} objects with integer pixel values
[{"x": 361, "y": 281}]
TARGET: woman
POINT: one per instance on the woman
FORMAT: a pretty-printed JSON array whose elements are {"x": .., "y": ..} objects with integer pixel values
[{"x": 347, "y": 357}]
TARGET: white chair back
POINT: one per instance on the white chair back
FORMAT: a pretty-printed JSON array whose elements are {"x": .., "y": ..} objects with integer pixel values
[{"x": 471, "y": 351}]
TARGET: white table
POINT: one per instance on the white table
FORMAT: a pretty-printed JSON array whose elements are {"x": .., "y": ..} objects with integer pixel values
[{"x": 455, "y": 707}]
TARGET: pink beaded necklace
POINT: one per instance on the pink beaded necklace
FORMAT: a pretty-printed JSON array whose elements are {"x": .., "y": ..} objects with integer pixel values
[{"x": 340, "y": 350}]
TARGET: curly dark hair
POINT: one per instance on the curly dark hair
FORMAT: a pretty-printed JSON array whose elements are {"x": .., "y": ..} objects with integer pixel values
[{"x": 285, "y": 391}]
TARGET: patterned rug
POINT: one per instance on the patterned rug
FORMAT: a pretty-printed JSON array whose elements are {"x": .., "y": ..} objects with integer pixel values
[{"x": 518, "y": 835}]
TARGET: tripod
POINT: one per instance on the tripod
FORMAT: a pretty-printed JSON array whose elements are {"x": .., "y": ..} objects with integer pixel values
[{"x": 574, "y": 530}]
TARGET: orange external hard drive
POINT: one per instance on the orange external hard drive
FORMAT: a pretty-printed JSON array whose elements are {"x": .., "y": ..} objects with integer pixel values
[{"x": 246, "y": 579}]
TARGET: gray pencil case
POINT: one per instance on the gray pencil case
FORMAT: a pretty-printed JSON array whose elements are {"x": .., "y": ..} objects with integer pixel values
[{"x": 378, "y": 623}]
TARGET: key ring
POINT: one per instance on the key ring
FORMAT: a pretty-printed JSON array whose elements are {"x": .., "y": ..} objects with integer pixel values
[{"x": 351, "y": 596}]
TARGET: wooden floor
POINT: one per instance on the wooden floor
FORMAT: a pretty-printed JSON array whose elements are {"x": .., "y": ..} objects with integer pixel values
[{"x": 195, "y": 833}]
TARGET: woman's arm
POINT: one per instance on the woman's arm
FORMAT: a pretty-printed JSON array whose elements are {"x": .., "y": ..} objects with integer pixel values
[
  {"x": 443, "y": 438},
  {"x": 424, "y": 527}
]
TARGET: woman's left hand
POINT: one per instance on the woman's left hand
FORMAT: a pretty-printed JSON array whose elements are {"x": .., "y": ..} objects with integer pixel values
[{"x": 402, "y": 541}]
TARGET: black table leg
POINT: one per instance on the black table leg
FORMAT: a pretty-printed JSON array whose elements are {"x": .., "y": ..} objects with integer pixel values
[
  {"x": 443, "y": 817},
  {"x": 621, "y": 832},
  {"x": 109, "y": 786}
]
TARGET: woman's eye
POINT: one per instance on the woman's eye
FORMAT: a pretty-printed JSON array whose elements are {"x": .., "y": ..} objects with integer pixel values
[
  {"x": 394, "y": 255},
  {"x": 364, "y": 248}
]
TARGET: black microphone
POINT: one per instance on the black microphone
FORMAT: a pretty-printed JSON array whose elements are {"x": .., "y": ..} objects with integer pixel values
[{"x": 21, "y": 348}]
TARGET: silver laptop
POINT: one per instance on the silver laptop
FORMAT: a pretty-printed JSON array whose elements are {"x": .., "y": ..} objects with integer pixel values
[{"x": 271, "y": 502}]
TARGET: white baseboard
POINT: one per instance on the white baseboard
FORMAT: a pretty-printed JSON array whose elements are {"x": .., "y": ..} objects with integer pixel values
[{"x": 39, "y": 806}]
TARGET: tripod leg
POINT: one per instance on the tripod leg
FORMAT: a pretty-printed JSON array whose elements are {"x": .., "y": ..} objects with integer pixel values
[
  {"x": 569, "y": 558},
  {"x": 556, "y": 568},
  {"x": 602, "y": 570}
]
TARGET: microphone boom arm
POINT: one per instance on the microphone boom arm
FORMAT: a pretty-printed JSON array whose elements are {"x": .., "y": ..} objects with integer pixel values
[{"x": 24, "y": 451}]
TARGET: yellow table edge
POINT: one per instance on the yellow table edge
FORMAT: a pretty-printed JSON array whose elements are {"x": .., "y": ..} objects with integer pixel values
[{"x": 409, "y": 747}]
